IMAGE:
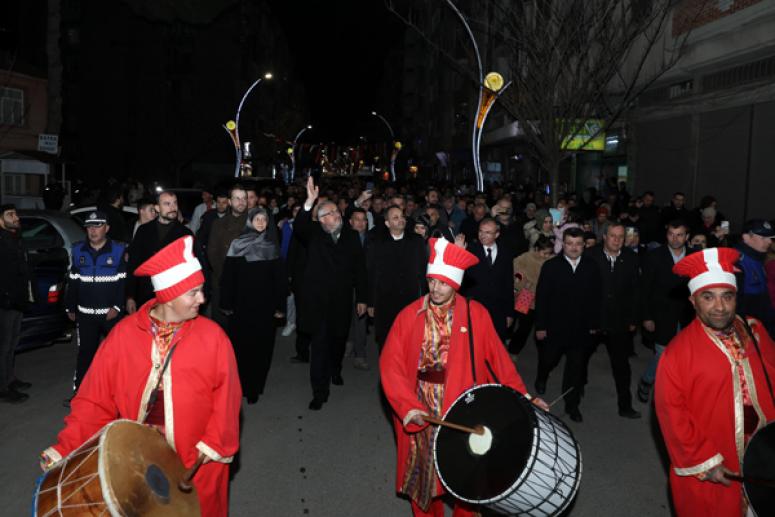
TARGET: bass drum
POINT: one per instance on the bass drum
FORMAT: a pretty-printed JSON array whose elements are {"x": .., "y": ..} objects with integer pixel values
[
  {"x": 125, "y": 469},
  {"x": 759, "y": 463},
  {"x": 527, "y": 462}
]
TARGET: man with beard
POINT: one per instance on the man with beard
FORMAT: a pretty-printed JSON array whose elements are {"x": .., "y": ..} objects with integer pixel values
[
  {"x": 712, "y": 390},
  {"x": 396, "y": 272},
  {"x": 150, "y": 238},
  {"x": 335, "y": 266}
]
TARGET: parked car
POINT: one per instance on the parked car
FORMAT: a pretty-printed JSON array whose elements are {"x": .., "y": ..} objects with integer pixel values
[{"x": 48, "y": 237}]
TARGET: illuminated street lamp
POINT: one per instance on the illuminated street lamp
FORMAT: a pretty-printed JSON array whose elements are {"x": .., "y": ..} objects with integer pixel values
[
  {"x": 396, "y": 145},
  {"x": 232, "y": 128},
  {"x": 292, "y": 151}
]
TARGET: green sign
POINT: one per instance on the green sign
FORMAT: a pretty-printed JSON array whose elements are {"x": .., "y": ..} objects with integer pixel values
[{"x": 586, "y": 135}]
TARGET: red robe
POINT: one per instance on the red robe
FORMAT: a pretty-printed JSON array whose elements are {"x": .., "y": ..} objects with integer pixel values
[
  {"x": 699, "y": 404},
  {"x": 202, "y": 397},
  {"x": 401, "y": 354}
]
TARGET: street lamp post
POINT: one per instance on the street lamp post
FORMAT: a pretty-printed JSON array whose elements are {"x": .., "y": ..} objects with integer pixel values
[
  {"x": 396, "y": 145},
  {"x": 293, "y": 151},
  {"x": 232, "y": 126}
]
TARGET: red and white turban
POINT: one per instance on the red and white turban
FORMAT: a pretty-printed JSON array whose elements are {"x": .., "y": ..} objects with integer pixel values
[
  {"x": 448, "y": 262},
  {"x": 711, "y": 267},
  {"x": 173, "y": 270}
]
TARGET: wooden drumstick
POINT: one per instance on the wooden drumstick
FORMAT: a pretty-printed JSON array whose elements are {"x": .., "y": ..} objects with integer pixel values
[
  {"x": 438, "y": 421},
  {"x": 185, "y": 483},
  {"x": 754, "y": 481}
]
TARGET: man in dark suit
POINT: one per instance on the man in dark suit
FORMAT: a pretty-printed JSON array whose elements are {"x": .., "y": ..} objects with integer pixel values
[
  {"x": 396, "y": 263},
  {"x": 357, "y": 335},
  {"x": 620, "y": 274},
  {"x": 335, "y": 265},
  {"x": 567, "y": 319},
  {"x": 664, "y": 298},
  {"x": 150, "y": 238},
  {"x": 491, "y": 281}
]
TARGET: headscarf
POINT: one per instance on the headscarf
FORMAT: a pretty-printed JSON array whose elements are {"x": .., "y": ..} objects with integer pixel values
[{"x": 255, "y": 245}]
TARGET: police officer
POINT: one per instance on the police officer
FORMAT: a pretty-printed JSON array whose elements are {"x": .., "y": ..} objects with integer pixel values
[{"x": 95, "y": 293}]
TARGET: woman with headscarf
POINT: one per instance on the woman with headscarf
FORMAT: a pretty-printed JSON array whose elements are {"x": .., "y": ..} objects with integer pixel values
[{"x": 253, "y": 295}]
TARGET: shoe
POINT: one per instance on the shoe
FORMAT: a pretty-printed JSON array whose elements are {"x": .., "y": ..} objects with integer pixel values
[
  {"x": 540, "y": 387},
  {"x": 298, "y": 360},
  {"x": 575, "y": 415},
  {"x": 360, "y": 363},
  {"x": 288, "y": 329},
  {"x": 316, "y": 404},
  {"x": 66, "y": 402},
  {"x": 629, "y": 413},
  {"x": 644, "y": 390},
  {"x": 19, "y": 385},
  {"x": 12, "y": 396},
  {"x": 252, "y": 400},
  {"x": 337, "y": 380}
]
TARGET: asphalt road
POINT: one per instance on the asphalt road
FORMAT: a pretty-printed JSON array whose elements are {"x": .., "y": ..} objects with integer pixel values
[{"x": 341, "y": 461}]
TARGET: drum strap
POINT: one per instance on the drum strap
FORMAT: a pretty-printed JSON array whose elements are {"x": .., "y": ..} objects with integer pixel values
[
  {"x": 759, "y": 353},
  {"x": 155, "y": 392}
]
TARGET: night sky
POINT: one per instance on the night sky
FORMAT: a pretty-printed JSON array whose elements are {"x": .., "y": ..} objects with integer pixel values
[{"x": 340, "y": 49}]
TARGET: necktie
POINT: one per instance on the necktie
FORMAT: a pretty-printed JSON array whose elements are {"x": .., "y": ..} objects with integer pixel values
[{"x": 489, "y": 256}]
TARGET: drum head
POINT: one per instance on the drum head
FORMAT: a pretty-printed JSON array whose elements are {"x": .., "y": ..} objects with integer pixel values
[
  {"x": 142, "y": 472},
  {"x": 759, "y": 462},
  {"x": 481, "y": 477}
]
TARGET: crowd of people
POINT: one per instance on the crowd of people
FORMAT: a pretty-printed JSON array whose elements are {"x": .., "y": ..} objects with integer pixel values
[{"x": 329, "y": 262}]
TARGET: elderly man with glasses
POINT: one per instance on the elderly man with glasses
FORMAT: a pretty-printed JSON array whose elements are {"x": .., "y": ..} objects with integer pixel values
[{"x": 335, "y": 266}]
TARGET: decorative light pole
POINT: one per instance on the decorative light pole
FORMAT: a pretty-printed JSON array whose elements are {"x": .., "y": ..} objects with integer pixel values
[
  {"x": 396, "y": 145},
  {"x": 292, "y": 151},
  {"x": 490, "y": 88},
  {"x": 232, "y": 128}
]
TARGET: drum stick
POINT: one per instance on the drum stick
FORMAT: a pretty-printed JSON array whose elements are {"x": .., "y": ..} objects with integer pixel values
[
  {"x": 555, "y": 401},
  {"x": 457, "y": 427},
  {"x": 185, "y": 483},
  {"x": 754, "y": 481}
]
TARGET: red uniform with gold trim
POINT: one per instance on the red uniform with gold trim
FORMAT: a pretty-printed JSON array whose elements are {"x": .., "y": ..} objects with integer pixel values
[
  {"x": 401, "y": 355},
  {"x": 699, "y": 400},
  {"x": 202, "y": 397}
]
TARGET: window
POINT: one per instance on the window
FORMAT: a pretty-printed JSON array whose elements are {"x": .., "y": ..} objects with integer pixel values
[
  {"x": 12, "y": 106},
  {"x": 39, "y": 234}
]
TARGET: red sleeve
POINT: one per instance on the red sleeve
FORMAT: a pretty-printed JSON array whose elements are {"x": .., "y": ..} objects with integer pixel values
[
  {"x": 690, "y": 451},
  {"x": 398, "y": 382},
  {"x": 495, "y": 352},
  {"x": 94, "y": 405},
  {"x": 221, "y": 438}
]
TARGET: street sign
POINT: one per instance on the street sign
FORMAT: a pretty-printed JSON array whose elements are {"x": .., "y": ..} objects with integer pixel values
[{"x": 48, "y": 143}]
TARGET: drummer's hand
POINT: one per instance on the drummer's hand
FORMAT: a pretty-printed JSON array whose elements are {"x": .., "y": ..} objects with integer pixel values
[
  {"x": 45, "y": 462},
  {"x": 416, "y": 417},
  {"x": 540, "y": 403},
  {"x": 540, "y": 335},
  {"x": 718, "y": 475}
]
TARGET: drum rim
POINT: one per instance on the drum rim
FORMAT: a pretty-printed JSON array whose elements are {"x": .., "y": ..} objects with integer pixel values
[
  {"x": 530, "y": 462},
  {"x": 499, "y": 497},
  {"x": 745, "y": 485},
  {"x": 107, "y": 491}
]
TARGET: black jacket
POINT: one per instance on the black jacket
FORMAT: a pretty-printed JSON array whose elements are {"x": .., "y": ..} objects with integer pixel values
[
  {"x": 15, "y": 275},
  {"x": 664, "y": 295},
  {"x": 396, "y": 277},
  {"x": 620, "y": 289},
  {"x": 331, "y": 272},
  {"x": 568, "y": 303},
  {"x": 492, "y": 286},
  {"x": 145, "y": 244}
]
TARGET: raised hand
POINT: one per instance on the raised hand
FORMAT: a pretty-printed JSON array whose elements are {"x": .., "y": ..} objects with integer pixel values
[{"x": 313, "y": 192}]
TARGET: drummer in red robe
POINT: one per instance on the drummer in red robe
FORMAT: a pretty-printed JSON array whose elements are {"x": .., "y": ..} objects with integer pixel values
[
  {"x": 426, "y": 364},
  {"x": 711, "y": 392},
  {"x": 170, "y": 368}
]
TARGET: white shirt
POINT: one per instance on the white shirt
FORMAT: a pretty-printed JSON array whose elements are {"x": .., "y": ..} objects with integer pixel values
[
  {"x": 494, "y": 251},
  {"x": 573, "y": 264},
  {"x": 397, "y": 238}
]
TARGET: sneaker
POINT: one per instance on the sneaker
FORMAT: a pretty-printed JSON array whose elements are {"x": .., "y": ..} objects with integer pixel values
[
  {"x": 13, "y": 397},
  {"x": 18, "y": 385},
  {"x": 288, "y": 329},
  {"x": 360, "y": 363}
]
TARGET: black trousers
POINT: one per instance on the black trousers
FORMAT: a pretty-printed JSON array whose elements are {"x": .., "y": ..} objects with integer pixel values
[
  {"x": 326, "y": 355},
  {"x": 522, "y": 329},
  {"x": 575, "y": 350},
  {"x": 619, "y": 346},
  {"x": 91, "y": 330}
]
